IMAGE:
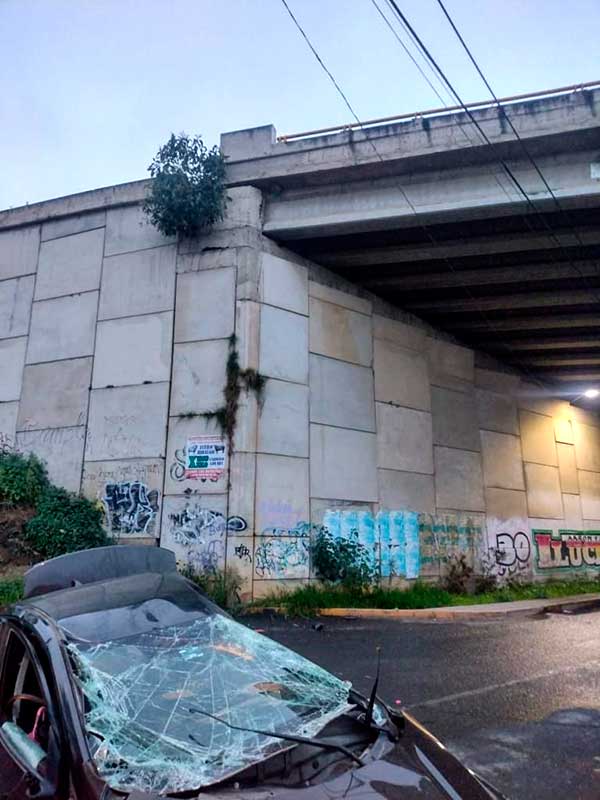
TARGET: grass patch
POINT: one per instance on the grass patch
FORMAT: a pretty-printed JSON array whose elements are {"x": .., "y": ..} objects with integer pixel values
[
  {"x": 306, "y": 601},
  {"x": 10, "y": 591}
]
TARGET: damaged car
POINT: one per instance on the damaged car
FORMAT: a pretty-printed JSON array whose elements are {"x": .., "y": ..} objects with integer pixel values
[{"x": 121, "y": 679}]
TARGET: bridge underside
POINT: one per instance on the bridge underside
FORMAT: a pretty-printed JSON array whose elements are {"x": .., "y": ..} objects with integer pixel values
[{"x": 523, "y": 287}]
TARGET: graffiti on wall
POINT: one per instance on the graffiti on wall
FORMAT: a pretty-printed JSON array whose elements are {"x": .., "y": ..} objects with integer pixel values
[
  {"x": 130, "y": 508},
  {"x": 568, "y": 550},
  {"x": 198, "y": 535},
  {"x": 509, "y": 547},
  {"x": 7, "y": 444},
  {"x": 282, "y": 557}
]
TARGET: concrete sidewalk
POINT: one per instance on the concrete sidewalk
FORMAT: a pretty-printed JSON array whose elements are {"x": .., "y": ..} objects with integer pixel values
[{"x": 526, "y": 608}]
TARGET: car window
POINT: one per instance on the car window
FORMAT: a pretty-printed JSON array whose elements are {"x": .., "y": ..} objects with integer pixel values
[{"x": 22, "y": 699}]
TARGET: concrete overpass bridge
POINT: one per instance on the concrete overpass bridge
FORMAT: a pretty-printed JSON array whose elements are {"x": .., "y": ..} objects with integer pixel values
[{"x": 424, "y": 213}]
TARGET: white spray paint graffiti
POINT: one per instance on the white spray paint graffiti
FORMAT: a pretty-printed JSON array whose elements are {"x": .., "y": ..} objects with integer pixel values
[
  {"x": 198, "y": 535},
  {"x": 130, "y": 508}
]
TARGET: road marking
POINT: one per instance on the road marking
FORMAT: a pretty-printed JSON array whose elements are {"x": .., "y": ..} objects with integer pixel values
[{"x": 496, "y": 686}]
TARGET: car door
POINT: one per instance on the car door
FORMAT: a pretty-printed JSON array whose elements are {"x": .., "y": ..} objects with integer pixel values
[{"x": 26, "y": 730}]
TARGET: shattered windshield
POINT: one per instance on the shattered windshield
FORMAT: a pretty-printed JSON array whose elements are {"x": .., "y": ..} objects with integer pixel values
[{"x": 139, "y": 691}]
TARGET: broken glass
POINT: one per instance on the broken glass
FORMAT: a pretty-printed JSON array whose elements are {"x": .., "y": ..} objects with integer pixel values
[{"x": 139, "y": 691}]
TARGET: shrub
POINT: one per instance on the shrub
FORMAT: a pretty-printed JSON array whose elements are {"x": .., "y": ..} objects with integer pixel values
[
  {"x": 64, "y": 523},
  {"x": 10, "y": 591},
  {"x": 459, "y": 575},
  {"x": 342, "y": 560},
  {"x": 188, "y": 190},
  {"x": 23, "y": 479}
]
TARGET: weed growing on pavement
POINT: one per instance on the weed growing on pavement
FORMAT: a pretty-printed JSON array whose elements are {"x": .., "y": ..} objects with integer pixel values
[
  {"x": 221, "y": 586},
  {"x": 307, "y": 600},
  {"x": 10, "y": 591}
]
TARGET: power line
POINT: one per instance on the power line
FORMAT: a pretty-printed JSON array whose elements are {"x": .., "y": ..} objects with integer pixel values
[
  {"x": 507, "y": 169},
  {"x": 502, "y": 110},
  {"x": 418, "y": 219},
  {"x": 408, "y": 53}
]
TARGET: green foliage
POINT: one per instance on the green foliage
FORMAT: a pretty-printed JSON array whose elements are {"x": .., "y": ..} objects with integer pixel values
[
  {"x": 64, "y": 522},
  {"x": 306, "y": 601},
  {"x": 236, "y": 379},
  {"x": 10, "y": 591},
  {"x": 187, "y": 194},
  {"x": 337, "y": 559},
  {"x": 23, "y": 479},
  {"x": 221, "y": 586}
]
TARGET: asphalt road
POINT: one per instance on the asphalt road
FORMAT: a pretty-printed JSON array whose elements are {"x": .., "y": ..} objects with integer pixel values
[{"x": 518, "y": 700}]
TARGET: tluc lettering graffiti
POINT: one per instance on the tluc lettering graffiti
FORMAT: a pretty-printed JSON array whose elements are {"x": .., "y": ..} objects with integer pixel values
[
  {"x": 571, "y": 550},
  {"x": 130, "y": 508}
]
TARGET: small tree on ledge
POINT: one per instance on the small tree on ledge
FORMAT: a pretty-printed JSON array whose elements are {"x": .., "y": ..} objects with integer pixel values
[{"x": 187, "y": 194}]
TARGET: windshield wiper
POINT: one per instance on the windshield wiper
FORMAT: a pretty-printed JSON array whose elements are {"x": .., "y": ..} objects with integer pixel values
[{"x": 290, "y": 737}]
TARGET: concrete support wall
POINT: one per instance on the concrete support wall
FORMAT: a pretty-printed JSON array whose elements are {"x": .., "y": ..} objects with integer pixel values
[{"x": 114, "y": 343}]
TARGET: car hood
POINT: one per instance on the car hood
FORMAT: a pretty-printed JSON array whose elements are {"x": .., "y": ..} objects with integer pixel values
[{"x": 416, "y": 767}]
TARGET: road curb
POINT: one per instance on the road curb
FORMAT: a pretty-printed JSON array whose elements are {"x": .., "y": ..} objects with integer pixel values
[{"x": 523, "y": 608}]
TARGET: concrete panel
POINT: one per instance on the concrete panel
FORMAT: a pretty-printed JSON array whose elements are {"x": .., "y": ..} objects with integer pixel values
[
  {"x": 563, "y": 430},
  {"x": 283, "y": 345},
  {"x": 55, "y": 394},
  {"x": 572, "y": 511},
  {"x": 12, "y": 358},
  {"x": 583, "y": 415},
  {"x": 67, "y": 226},
  {"x": 128, "y": 229},
  {"x": 283, "y": 284},
  {"x": 199, "y": 375},
  {"x": 180, "y": 430},
  {"x": 19, "y": 252},
  {"x": 496, "y": 412},
  {"x": 537, "y": 438},
  {"x": 62, "y": 451},
  {"x": 343, "y": 463},
  {"x": 8, "y": 424},
  {"x": 239, "y": 561},
  {"x": 401, "y": 376},
  {"x": 281, "y": 493},
  {"x": 339, "y": 298},
  {"x": 502, "y": 463},
  {"x": 587, "y": 446},
  {"x": 130, "y": 492},
  {"x": 340, "y": 333},
  {"x": 283, "y": 420},
  {"x": 195, "y": 529},
  {"x": 70, "y": 264},
  {"x": 496, "y": 381},
  {"x": 567, "y": 468},
  {"x": 505, "y": 504},
  {"x": 138, "y": 283},
  {"x": 450, "y": 365},
  {"x": 404, "y": 439},
  {"x": 341, "y": 394},
  {"x": 133, "y": 350},
  {"x": 242, "y": 487},
  {"x": 454, "y": 419},
  {"x": 205, "y": 305},
  {"x": 544, "y": 499},
  {"x": 63, "y": 328},
  {"x": 128, "y": 422},
  {"x": 590, "y": 494},
  {"x": 533, "y": 398},
  {"x": 15, "y": 306},
  {"x": 393, "y": 330},
  {"x": 406, "y": 490},
  {"x": 458, "y": 480},
  {"x": 284, "y": 557}
]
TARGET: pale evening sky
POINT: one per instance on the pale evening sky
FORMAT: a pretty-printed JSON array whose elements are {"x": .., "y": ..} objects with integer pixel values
[{"x": 89, "y": 89}]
